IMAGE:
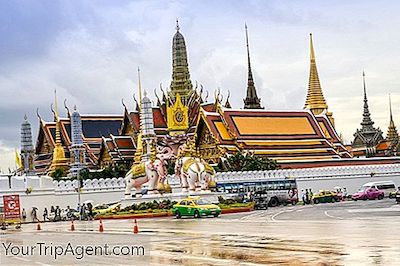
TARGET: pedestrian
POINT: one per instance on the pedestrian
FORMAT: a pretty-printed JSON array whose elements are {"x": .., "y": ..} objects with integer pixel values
[
  {"x": 303, "y": 197},
  {"x": 57, "y": 214},
  {"x": 23, "y": 214},
  {"x": 52, "y": 210},
  {"x": 307, "y": 197},
  {"x": 34, "y": 215},
  {"x": 45, "y": 214},
  {"x": 83, "y": 212},
  {"x": 90, "y": 211},
  {"x": 311, "y": 195}
]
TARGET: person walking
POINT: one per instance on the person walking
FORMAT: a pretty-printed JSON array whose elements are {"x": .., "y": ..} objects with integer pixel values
[
  {"x": 57, "y": 214},
  {"x": 311, "y": 195},
  {"x": 34, "y": 214},
  {"x": 23, "y": 214},
  {"x": 83, "y": 211},
  {"x": 90, "y": 211},
  {"x": 307, "y": 197},
  {"x": 303, "y": 197},
  {"x": 45, "y": 215}
]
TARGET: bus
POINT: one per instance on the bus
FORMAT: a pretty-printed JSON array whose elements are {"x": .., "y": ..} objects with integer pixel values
[{"x": 279, "y": 191}]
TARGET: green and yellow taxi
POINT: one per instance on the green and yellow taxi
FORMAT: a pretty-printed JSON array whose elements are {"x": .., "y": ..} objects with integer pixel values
[
  {"x": 324, "y": 196},
  {"x": 195, "y": 207}
]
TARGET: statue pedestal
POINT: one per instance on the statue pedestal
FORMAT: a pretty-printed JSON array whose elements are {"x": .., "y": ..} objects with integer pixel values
[{"x": 211, "y": 196}]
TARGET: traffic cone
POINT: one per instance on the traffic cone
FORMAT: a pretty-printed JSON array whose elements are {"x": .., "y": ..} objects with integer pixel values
[
  {"x": 38, "y": 227},
  {"x": 101, "y": 228},
  {"x": 135, "y": 228},
  {"x": 72, "y": 225}
]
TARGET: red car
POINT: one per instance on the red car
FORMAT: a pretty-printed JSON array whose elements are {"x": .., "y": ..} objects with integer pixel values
[{"x": 369, "y": 193}]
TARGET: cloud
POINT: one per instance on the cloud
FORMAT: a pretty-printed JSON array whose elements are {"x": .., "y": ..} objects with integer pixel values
[{"x": 89, "y": 51}]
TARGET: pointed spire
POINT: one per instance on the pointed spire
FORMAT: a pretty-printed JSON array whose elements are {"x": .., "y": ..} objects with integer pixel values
[
  {"x": 315, "y": 100},
  {"x": 251, "y": 101},
  {"x": 59, "y": 161},
  {"x": 180, "y": 69},
  {"x": 392, "y": 134},
  {"x": 58, "y": 133},
  {"x": 367, "y": 123}
]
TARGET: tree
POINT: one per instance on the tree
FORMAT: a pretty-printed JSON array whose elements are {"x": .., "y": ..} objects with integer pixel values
[
  {"x": 58, "y": 174},
  {"x": 249, "y": 162}
]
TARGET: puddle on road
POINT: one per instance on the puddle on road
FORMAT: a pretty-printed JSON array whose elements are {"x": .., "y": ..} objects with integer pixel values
[{"x": 233, "y": 250}]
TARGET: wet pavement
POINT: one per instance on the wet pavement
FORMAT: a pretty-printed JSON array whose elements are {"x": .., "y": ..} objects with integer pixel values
[{"x": 344, "y": 233}]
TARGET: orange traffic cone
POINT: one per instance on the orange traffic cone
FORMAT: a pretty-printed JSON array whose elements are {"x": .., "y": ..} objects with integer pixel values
[
  {"x": 38, "y": 226},
  {"x": 135, "y": 228},
  {"x": 101, "y": 228},
  {"x": 72, "y": 225}
]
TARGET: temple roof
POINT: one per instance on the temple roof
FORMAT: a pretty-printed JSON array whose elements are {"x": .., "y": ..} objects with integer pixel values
[
  {"x": 283, "y": 135},
  {"x": 94, "y": 128}
]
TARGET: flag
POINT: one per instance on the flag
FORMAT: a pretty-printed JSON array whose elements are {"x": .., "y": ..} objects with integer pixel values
[{"x": 18, "y": 161}]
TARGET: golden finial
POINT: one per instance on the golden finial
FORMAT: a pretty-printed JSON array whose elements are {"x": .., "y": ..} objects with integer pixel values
[
  {"x": 315, "y": 100},
  {"x": 177, "y": 25}
]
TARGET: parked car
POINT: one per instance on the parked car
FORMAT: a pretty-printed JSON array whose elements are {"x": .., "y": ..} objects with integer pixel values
[
  {"x": 261, "y": 200},
  {"x": 324, "y": 196},
  {"x": 397, "y": 197},
  {"x": 385, "y": 186},
  {"x": 368, "y": 193},
  {"x": 195, "y": 207},
  {"x": 393, "y": 194}
]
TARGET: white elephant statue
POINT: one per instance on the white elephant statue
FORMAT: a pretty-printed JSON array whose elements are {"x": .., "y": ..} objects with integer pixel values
[
  {"x": 195, "y": 174},
  {"x": 151, "y": 172}
]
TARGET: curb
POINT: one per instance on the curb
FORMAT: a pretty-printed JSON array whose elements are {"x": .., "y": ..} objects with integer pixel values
[{"x": 164, "y": 214}]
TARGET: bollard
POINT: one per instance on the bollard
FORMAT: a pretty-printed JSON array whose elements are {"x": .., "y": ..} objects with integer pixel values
[
  {"x": 135, "y": 228},
  {"x": 72, "y": 225},
  {"x": 38, "y": 226},
  {"x": 101, "y": 228}
]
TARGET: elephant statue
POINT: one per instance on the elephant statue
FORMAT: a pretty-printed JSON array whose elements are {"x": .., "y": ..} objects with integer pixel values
[
  {"x": 195, "y": 174},
  {"x": 140, "y": 174},
  {"x": 152, "y": 172}
]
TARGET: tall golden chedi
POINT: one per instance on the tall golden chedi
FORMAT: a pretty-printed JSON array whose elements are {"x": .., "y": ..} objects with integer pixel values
[
  {"x": 181, "y": 87},
  {"x": 180, "y": 69},
  {"x": 315, "y": 100},
  {"x": 59, "y": 160}
]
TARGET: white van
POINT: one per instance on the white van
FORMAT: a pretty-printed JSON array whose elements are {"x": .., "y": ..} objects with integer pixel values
[{"x": 385, "y": 186}]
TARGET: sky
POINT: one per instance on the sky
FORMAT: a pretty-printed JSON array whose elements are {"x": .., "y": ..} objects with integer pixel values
[{"x": 90, "y": 51}]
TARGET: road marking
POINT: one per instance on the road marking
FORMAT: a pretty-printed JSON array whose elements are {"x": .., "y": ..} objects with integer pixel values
[
  {"x": 276, "y": 214},
  {"x": 333, "y": 217}
]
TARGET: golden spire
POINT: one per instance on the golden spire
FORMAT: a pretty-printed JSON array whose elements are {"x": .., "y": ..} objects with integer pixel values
[
  {"x": 59, "y": 161},
  {"x": 392, "y": 134},
  {"x": 315, "y": 99},
  {"x": 58, "y": 135}
]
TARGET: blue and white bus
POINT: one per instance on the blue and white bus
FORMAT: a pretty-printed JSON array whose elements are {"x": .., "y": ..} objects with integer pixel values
[{"x": 279, "y": 191}]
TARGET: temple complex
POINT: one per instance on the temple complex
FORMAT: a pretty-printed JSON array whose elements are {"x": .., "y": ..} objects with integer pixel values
[{"x": 295, "y": 138}]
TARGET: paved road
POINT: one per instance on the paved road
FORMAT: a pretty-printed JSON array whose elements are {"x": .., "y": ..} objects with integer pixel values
[{"x": 344, "y": 233}]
